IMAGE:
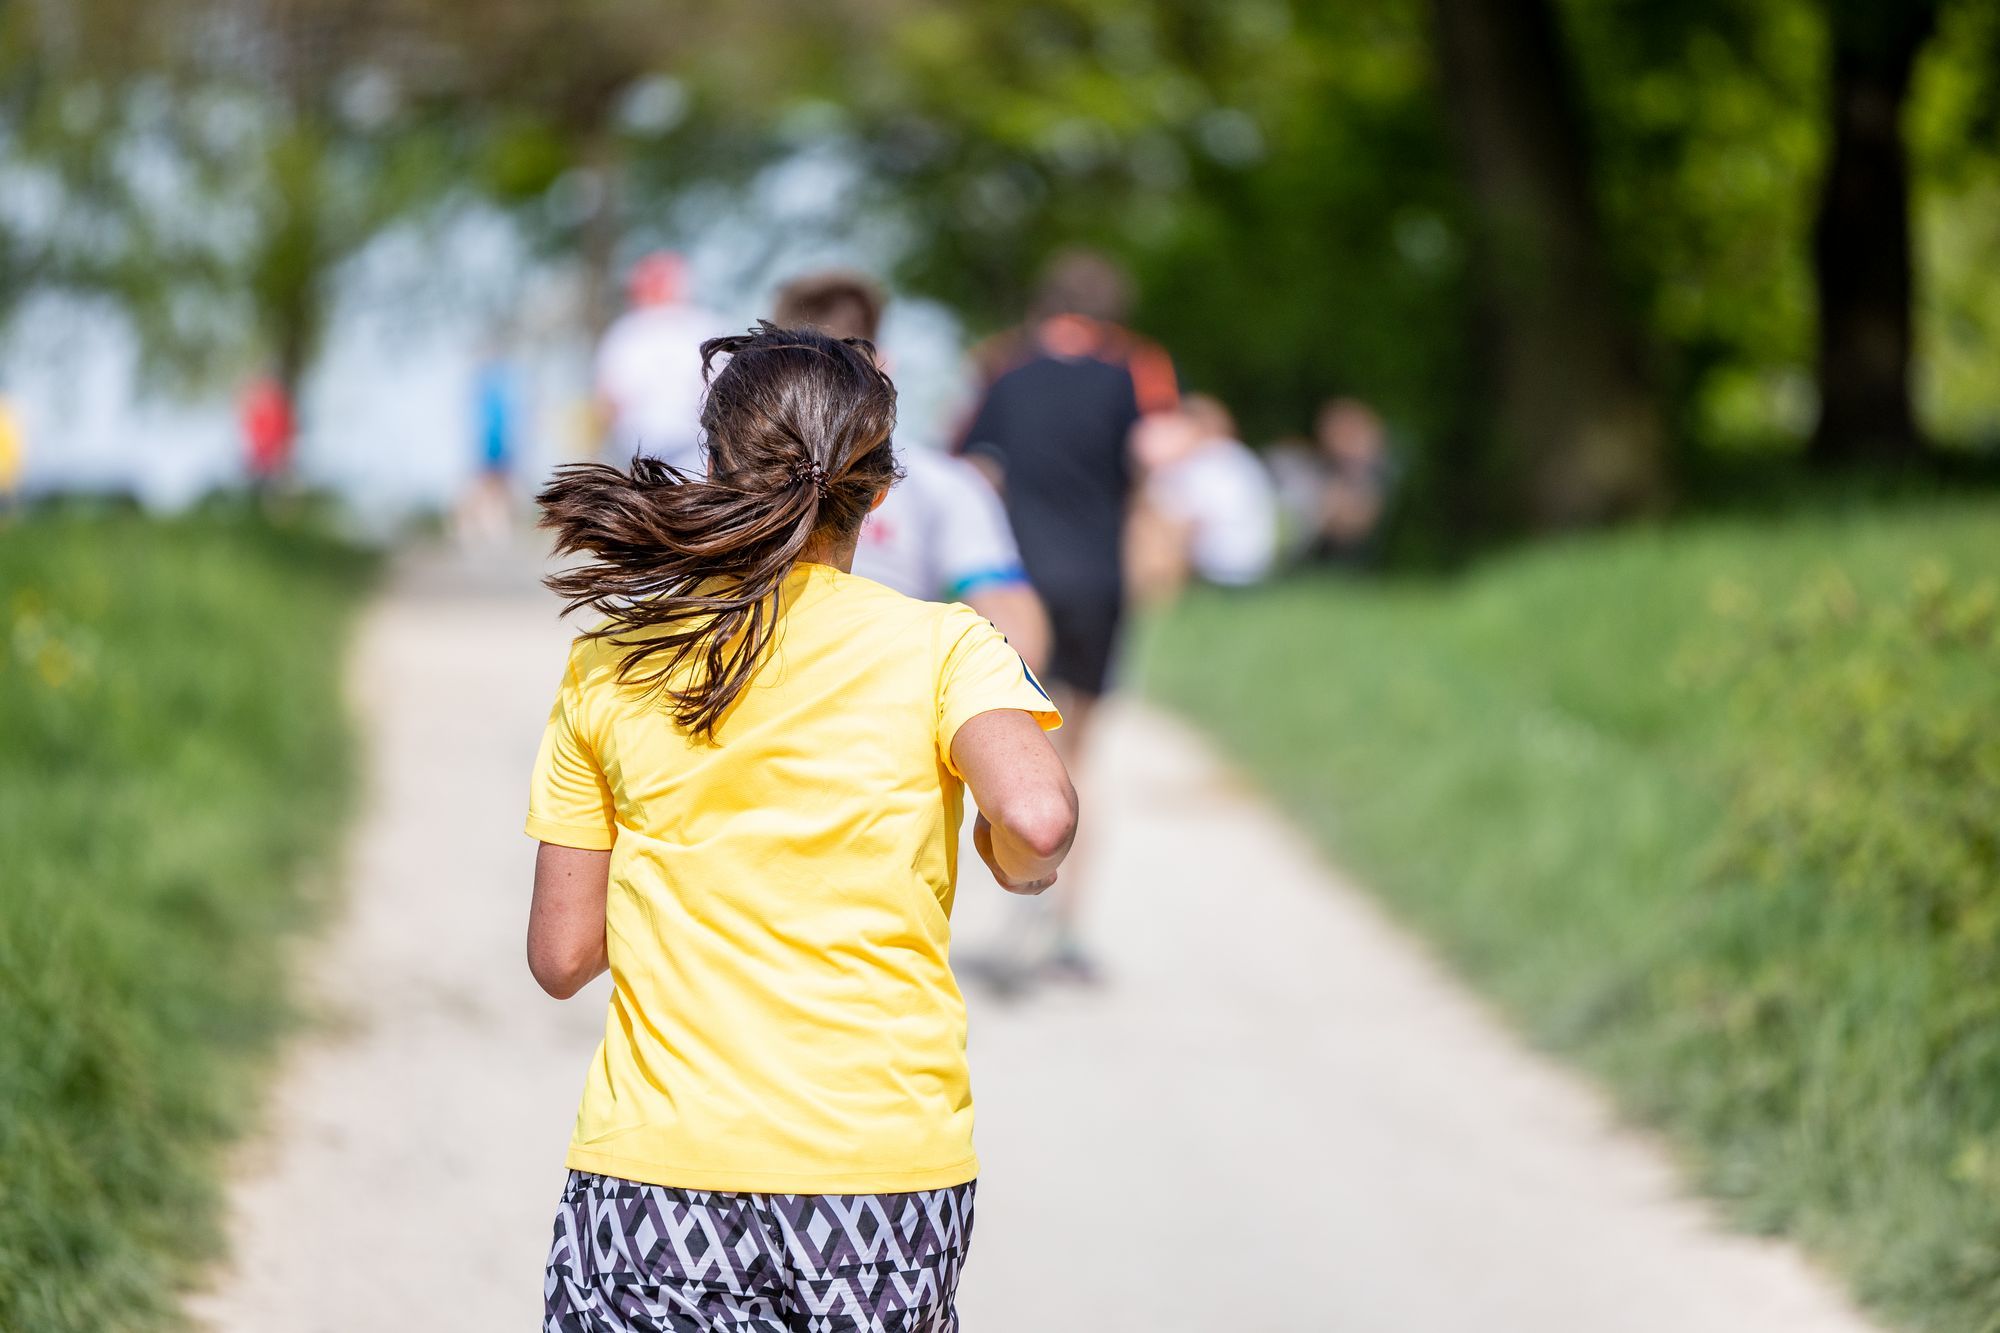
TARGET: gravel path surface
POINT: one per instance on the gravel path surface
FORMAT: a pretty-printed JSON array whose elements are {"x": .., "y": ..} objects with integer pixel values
[{"x": 1278, "y": 1115}]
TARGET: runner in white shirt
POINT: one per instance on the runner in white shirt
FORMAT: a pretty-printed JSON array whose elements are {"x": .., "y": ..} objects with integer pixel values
[
  {"x": 649, "y": 367},
  {"x": 941, "y": 533},
  {"x": 1211, "y": 501}
]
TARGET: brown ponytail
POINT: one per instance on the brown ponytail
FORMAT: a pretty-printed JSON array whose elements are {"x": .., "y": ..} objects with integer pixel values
[{"x": 686, "y": 569}]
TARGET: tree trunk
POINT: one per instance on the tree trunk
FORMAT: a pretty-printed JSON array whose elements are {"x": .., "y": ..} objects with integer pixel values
[
  {"x": 292, "y": 261},
  {"x": 1576, "y": 424},
  {"x": 1861, "y": 239}
]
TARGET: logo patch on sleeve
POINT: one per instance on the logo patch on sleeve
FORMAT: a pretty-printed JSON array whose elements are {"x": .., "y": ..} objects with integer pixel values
[{"x": 1030, "y": 676}]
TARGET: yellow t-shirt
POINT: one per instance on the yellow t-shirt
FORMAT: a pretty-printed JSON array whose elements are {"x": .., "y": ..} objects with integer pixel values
[{"x": 783, "y": 1018}]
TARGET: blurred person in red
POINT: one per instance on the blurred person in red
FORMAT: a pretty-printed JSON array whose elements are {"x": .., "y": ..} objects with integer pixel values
[
  {"x": 1207, "y": 506},
  {"x": 1053, "y": 430},
  {"x": 1335, "y": 492},
  {"x": 940, "y": 533},
  {"x": 648, "y": 372},
  {"x": 265, "y": 413}
]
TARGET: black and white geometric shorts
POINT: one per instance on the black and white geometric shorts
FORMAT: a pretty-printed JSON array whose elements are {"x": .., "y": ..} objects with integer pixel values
[{"x": 636, "y": 1258}]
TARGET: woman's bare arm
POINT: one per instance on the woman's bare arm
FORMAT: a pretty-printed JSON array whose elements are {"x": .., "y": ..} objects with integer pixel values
[
  {"x": 1027, "y": 807},
  {"x": 566, "y": 920}
]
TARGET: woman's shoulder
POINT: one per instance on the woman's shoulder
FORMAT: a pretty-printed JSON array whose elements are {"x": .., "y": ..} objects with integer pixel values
[
  {"x": 594, "y": 658},
  {"x": 894, "y": 616}
]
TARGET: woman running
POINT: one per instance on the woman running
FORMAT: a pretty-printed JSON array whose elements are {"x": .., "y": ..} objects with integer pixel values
[{"x": 748, "y": 799}]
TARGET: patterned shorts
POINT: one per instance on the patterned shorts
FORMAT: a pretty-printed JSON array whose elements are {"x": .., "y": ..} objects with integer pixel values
[{"x": 634, "y": 1258}]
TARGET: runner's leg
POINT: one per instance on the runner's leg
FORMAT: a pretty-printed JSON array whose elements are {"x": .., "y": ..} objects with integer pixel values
[
  {"x": 1086, "y": 640},
  {"x": 1042, "y": 937},
  {"x": 1061, "y": 951}
]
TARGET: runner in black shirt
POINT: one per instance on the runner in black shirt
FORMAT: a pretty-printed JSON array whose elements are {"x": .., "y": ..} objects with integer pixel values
[
  {"x": 1053, "y": 425},
  {"x": 1063, "y": 394}
]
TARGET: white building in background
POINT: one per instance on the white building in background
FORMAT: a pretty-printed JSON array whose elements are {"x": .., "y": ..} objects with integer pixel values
[{"x": 386, "y": 417}]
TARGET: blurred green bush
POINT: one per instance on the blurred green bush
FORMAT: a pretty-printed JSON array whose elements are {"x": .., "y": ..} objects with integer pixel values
[
  {"x": 174, "y": 758},
  {"x": 1713, "y": 809},
  {"x": 1851, "y": 986},
  {"x": 1878, "y": 769}
]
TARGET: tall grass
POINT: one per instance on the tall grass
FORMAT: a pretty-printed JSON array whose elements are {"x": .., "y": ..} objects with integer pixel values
[
  {"x": 1715, "y": 811},
  {"x": 174, "y": 762}
]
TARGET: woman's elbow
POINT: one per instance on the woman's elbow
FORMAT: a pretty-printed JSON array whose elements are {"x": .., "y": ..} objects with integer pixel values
[
  {"x": 1047, "y": 826},
  {"x": 562, "y": 973},
  {"x": 560, "y": 987}
]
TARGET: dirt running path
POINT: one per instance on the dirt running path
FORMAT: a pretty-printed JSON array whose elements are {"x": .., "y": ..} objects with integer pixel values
[{"x": 1279, "y": 1118}]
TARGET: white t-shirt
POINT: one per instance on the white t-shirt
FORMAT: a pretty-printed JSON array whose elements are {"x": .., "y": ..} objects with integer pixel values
[
  {"x": 1225, "y": 494},
  {"x": 940, "y": 532},
  {"x": 649, "y": 371}
]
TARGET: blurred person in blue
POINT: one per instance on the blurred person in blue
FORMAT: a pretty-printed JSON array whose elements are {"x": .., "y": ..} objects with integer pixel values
[
  {"x": 940, "y": 533},
  {"x": 1053, "y": 430},
  {"x": 648, "y": 372},
  {"x": 485, "y": 512},
  {"x": 1208, "y": 508}
]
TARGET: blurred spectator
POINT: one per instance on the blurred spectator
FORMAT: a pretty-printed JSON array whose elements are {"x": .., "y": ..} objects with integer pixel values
[
  {"x": 268, "y": 430},
  {"x": 649, "y": 367},
  {"x": 939, "y": 533},
  {"x": 1053, "y": 430},
  {"x": 1207, "y": 504},
  {"x": 1334, "y": 494},
  {"x": 485, "y": 512},
  {"x": 13, "y": 453}
]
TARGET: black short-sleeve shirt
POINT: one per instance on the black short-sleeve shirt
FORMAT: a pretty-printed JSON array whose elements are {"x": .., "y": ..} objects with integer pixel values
[{"x": 1058, "y": 427}]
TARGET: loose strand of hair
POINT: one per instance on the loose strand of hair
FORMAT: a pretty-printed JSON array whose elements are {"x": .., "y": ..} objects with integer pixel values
[{"x": 654, "y": 567}]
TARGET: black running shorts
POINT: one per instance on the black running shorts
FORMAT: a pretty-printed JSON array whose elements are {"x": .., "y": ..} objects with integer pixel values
[
  {"x": 1084, "y": 624},
  {"x": 635, "y": 1258}
]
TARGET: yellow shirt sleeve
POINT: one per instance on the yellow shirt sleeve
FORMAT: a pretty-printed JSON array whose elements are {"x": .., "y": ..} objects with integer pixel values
[
  {"x": 569, "y": 801},
  {"x": 979, "y": 672}
]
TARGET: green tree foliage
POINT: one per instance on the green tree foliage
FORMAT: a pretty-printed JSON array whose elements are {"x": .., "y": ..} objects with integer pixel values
[
  {"x": 1954, "y": 128},
  {"x": 1708, "y": 138},
  {"x": 217, "y": 163},
  {"x": 209, "y": 167},
  {"x": 583, "y": 116},
  {"x": 1331, "y": 253},
  {"x": 1276, "y": 175},
  {"x": 1281, "y": 176}
]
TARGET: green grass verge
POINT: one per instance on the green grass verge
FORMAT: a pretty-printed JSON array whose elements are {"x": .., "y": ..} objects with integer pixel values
[
  {"x": 1714, "y": 810},
  {"x": 175, "y": 760}
]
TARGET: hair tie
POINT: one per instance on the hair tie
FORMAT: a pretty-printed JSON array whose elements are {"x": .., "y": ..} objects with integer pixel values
[{"x": 812, "y": 470}]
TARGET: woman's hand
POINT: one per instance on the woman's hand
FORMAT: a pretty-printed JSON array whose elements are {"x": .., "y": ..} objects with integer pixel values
[{"x": 982, "y": 842}]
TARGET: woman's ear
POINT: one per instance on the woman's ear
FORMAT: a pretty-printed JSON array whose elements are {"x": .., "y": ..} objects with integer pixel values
[{"x": 880, "y": 496}]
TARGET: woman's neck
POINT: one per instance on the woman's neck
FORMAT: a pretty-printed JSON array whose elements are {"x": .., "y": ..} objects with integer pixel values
[{"x": 825, "y": 549}]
